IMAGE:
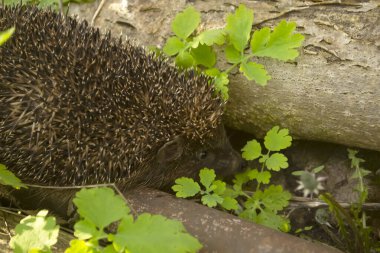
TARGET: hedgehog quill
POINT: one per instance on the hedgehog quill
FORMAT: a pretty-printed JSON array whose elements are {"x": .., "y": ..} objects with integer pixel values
[{"x": 79, "y": 108}]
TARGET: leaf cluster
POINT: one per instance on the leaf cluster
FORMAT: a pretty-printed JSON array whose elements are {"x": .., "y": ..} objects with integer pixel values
[
  {"x": 198, "y": 51},
  {"x": 145, "y": 234},
  {"x": 261, "y": 206},
  {"x": 358, "y": 174},
  {"x": 354, "y": 235}
]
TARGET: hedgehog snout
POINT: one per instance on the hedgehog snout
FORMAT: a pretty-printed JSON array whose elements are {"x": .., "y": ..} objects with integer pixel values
[{"x": 230, "y": 163}]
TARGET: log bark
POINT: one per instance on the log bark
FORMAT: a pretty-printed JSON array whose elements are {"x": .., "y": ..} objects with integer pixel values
[
  {"x": 217, "y": 231},
  {"x": 330, "y": 93}
]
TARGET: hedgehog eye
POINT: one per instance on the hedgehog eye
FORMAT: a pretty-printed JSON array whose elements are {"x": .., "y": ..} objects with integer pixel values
[{"x": 202, "y": 155}]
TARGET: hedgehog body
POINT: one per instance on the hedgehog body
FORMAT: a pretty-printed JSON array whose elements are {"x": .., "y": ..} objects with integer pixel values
[{"x": 80, "y": 108}]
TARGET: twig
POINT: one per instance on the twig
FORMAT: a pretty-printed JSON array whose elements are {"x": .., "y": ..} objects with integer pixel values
[
  {"x": 307, "y": 202},
  {"x": 97, "y": 12}
]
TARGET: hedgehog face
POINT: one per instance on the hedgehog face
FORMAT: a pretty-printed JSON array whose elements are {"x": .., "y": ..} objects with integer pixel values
[{"x": 179, "y": 158}]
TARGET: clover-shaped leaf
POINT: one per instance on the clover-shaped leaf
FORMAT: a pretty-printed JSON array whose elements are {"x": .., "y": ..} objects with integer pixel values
[
  {"x": 276, "y": 139},
  {"x": 276, "y": 162},
  {"x": 186, "y": 187}
]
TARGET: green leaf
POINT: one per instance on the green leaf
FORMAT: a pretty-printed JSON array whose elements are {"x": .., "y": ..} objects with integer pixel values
[
  {"x": 274, "y": 198},
  {"x": 186, "y": 22},
  {"x": 220, "y": 81},
  {"x": 154, "y": 234},
  {"x": 251, "y": 150},
  {"x": 355, "y": 161},
  {"x": 271, "y": 220},
  {"x": 173, "y": 46},
  {"x": 35, "y": 233},
  {"x": 280, "y": 44},
  {"x": 261, "y": 177},
  {"x": 47, "y": 3},
  {"x": 249, "y": 214},
  {"x": 111, "y": 249},
  {"x": 230, "y": 203},
  {"x": 204, "y": 55},
  {"x": 184, "y": 60},
  {"x": 211, "y": 200},
  {"x": 209, "y": 38},
  {"x": 231, "y": 192},
  {"x": 298, "y": 172},
  {"x": 239, "y": 26},
  {"x": 79, "y": 246},
  {"x": 263, "y": 158},
  {"x": 318, "y": 169},
  {"x": 219, "y": 187},
  {"x": 232, "y": 55},
  {"x": 360, "y": 173},
  {"x": 207, "y": 176},
  {"x": 276, "y": 140},
  {"x": 276, "y": 162},
  {"x": 186, "y": 187},
  {"x": 84, "y": 229},
  {"x": 5, "y": 35},
  {"x": 255, "y": 71},
  {"x": 213, "y": 72},
  {"x": 8, "y": 178},
  {"x": 91, "y": 205},
  {"x": 221, "y": 85},
  {"x": 242, "y": 178}
]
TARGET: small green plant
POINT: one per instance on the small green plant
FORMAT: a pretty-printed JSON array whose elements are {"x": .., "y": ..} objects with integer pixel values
[
  {"x": 355, "y": 235},
  {"x": 359, "y": 174},
  {"x": 309, "y": 183},
  {"x": 39, "y": 233},
  {"x": 198, "y": 52},
  {"x": 35, "y": 234},
  {"x": 264, "y": 204}
]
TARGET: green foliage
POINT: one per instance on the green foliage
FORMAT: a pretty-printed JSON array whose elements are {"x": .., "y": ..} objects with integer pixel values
[
  {"x": 153, "y": 233},
  {"x": 261, "y": 206},
  {"x": 8, "y": 178},
  {"x": 98, "y": 208},
  {"x": 197, "y": 51},
  {"x": 300, "y": 230},
  {"x": 277, "y": 139},
  {"x": 186, "y": 187},
  {"x": 354, "y": 234},
  {"x": 5, "y": 35},
  {"x": 279, "y": 44},
  {"x": 239, "y": 26},
  {"x": 359, "y": 174},
  {"x": 186, "y": 22},
  {"x": 212, "y": 195},
  {"x": 35, "y": 233}
]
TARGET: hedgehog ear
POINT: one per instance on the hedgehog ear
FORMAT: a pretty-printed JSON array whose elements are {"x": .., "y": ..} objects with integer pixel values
[{"x": 170, "y": 151}]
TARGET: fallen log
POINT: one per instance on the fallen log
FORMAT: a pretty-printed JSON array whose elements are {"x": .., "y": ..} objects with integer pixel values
[{"x": 330, "y": 93}]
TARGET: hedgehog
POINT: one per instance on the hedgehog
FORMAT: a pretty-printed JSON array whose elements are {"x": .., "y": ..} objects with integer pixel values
[{"x": 81, "y": 108}]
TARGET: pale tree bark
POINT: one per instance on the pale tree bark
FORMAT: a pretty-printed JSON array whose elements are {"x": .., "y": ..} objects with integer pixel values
[{"x": 331, "y": 92}]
